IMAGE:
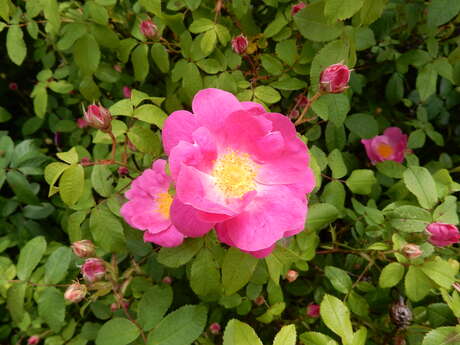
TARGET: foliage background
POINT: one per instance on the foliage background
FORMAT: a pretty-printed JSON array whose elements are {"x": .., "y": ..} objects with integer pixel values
[{"x": 61, "y": 55}]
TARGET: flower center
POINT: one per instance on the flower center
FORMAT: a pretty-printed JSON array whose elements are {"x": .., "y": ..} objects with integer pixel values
[
  {"x": 164, "y": 201},
  {"x": 385, "y": 150},
  {"x": 234, "y": 173}
]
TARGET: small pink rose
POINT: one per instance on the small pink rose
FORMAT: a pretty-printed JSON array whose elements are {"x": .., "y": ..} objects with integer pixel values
[
  {"x": 442, "y": 234},
  {"x": 75, "y": 292},
  {"x": 297, "y": 8},
  {"x": 391, "y": 146},
  {"x": 93, "y": 269},
  {"x": 83, "y": 248},
  {"x": 148, "y": 28},
  {"x": 313, "y": 310},
  {"x": 335, "y": 78},
  {"x": 240, "y": 44}
]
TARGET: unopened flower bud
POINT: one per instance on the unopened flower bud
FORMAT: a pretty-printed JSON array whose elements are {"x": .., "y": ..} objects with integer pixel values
[
  {"x": 294, "y": 114},
  {"x": 292, "y": 276},
  {"x": 240, "y": 44},
  {"x": 13, "y": 86},
  {"x": 214, "y": 328},
  {"x": 442, "y": 234},
  {"x": 83, "y": 248},
  {"x": 259, "y": 300},
  {"x": 400, "y": 314},
  {"x": 412, "y": 251},
  {"x": 98, "y": 117},
  {"x": 93, "y": 269},
  {"x": 123, "y": 171},
  {"x": 75, "y": 292},
  {"x": 297, "y": 8},
  {"x": 313, "y": 310},
  {"x": 35, "y": 339},
  {"x": 148, "y": 28},
  {"x": 167, "y": 280},
  {"x": 126, "y": 92},
  {"x": 335, "y": 78}
]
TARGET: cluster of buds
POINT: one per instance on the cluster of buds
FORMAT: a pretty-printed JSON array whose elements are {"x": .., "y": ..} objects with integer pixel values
[
  {"x": 313, "y": 310},
  {"x": 148, "y": 28},
  {"x": 93, "y": 270},
  {"x": 335, "y": 78},
  {"x": 240, "y": 44},
  {"x": 75, "y": 292}
]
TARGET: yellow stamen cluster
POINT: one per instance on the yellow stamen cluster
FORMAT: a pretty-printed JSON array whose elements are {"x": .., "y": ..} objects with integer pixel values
[
  {"x": 164, "y": 201},
  {"x": 234, "y": 174},
  {"x": 385, "y": 150}
]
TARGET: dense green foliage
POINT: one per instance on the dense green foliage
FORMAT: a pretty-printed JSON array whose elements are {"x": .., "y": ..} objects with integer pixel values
[{"x": 62, "y": 55}]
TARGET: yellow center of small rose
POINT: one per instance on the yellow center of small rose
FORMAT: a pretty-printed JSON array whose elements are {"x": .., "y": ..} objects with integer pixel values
[
  {"x": 164, "y": 201},
  {"x": 234, "y": 174},
  {"x": 385, "y": 150}
]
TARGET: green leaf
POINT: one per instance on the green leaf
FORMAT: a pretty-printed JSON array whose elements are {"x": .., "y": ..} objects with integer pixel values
[
  {"x": 15, "y": 301},
  {"x": 201, "y": 25},
  {"x": 286, "y": 336},
  {"x": 364, "y": 126},
  {"x": 51, "y": 307},
  {"x": 271, "y": 64},
  {"x": 267, "y": 94},
  {"x": 237, "y": 269},
  {"x": 204, "y": 274},
  {"x": 336, "y": 316},
  {"x": 289, "y": 84},
  {"x": 391, "y": 169},
  {"x": 314, "y": 26},
  {"x": 440, "y": 271},
  {"x": 419, "y": 182},
  {"x": 240, "y": 333},
  {"x": 334, "y": 194},
  {"x": 30, "y": 256},
  {"x": 145, "y": 140},
  {"x": 178, "y": 256},
  {"x": 153, "y": 6},
  {"x": 15, "y": 45},
  {"x": 358, "y": 305},
  {"x": 321, "y": 215},
  {"x": 153, "y": 305},
  {"x": 57, "y": 265},
  {"x": 315, "y": 338},
  {"x": 151, "y": 114},
  {"x": 123, "y": 107},
  {"x": 287, "y": 51},
  {"x": 339, "y": 279},
  {"x": 426, "y": 81},
  {"x": 161, "y": 57},
  {"x": 181, "y": 327},
  {"x": 117, "y": 331},
  {"x": 276, "y": 25},
  {"x": 417, "y": 284},
  {"x": 361, "y": 181},
  {"x": 87, "y": 54},
  {"x": 337, "y": 164},
  {"x": 208, "y": 42},
  {"x": 442, "y": 11},
  {"x": 71, "y": 184},
  {"x": 107, "y": 230},
  {"x": 409, "y": 218},
  {"x": 342, "y": 9},
  {"x": 442, "y": 336},
  {"x": 70, "y": 156},
  {"x": 5, "y": 115},
  {"x": 21, "y": 187},
  {"x": 447, "y": 211},
  {"x": 40, "y": 97},
  {"x": 101, "y": 180},
  {"x": 333, "y": 107},
  {"x": 371, "y": 11},
  {"x": 140, "y": 61},
  {"x": 391, "y": 275}
]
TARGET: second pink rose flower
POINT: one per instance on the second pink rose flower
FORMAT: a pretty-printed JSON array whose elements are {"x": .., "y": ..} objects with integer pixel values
[{"x": 391, "y": 146}]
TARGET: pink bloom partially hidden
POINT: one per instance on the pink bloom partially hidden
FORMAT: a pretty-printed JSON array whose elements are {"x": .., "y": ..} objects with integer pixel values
[
  {"x": 297, "y": 8},
  {"x": 98, "y": 117},
  {"x": 391, "y": 146},
  {"x": 240, "y": 44},
  {"x": 150, "y": 207},
  {"x": 442, "y": 234},
  {"x": 148, "y": 28},
  {"x": 313, "y": 310},
  {"x": 240, "y": 167},
  {"x": 33, "y": 340},
  {"x": 93, "y": 269},
  {"x": 126, "y": 92},
  {"x": 335, "y": 78}
]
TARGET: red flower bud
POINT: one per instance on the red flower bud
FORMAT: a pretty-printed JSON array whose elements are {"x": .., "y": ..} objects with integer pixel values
[
  {"x": 93, "y": 269},
  {"x": 442, "y": 234},
  {"x": 123, "y": 171},
  {"x": 75, "y": 292},
  {"x": 35, "y": 339},
  {"x": 412, "y": 251},
  {"x": 98, "y": 117},
  {"x": 240, "y": 44},
  {"x": 296, "y": 8},
  {"x": 313, "y": 310},
  {"x": 13, "y": 86},
  {"x": 83, "y": 248},
  {"x": 292, "y": 276},
  {"x": 148, "y": 28},
  {"x": 167, "y": 280},
  {"x": 335, "y": 78},
  {"x": 214, "y": 328},
  {"x": 126, "y": 92}
]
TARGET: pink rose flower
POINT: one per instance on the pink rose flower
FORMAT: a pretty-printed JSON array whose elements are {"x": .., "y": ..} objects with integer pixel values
[
  {"x": 150, "y": 207},
  {"x": 391, "y": 146},
  {"x": 238, "y": 166},
  {"x": 126, "y": 92},
  {"x": 148, "y": 28},
  {"x": 98, "y": 117},
  {"x": 442, "y": 234},
  {"x": 335, "y": 78},
  {"x": 93, "y": 269},
  {"x": 297, "y": 8},
  {"x": 83, "y": 248},
  {"x": 75, "y": 292},
  {"x": 313, "y": 310},
  {"x": 33, "y": 340},
  {"x": 240, "y": 44}
]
